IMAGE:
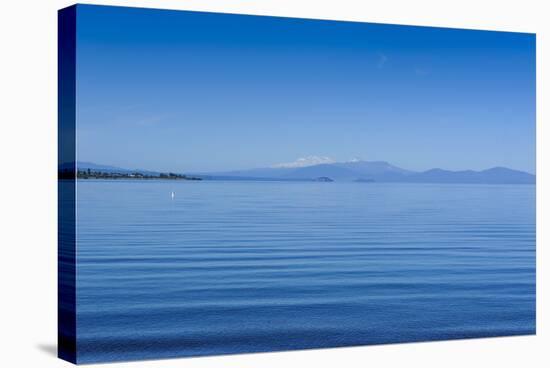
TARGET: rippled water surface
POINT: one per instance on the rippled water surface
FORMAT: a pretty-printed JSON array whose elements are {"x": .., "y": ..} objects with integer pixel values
[{"x": 231, "y": 267}]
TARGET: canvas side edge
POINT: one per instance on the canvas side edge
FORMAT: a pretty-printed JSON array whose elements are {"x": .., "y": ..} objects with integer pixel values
[{"x": 66, "y": 312}]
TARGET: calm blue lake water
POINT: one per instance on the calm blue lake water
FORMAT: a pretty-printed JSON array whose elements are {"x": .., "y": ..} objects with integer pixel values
[{"x": 231, "y": 267}]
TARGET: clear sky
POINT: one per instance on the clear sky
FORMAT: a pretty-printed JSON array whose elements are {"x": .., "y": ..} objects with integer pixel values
[{"x": 185, "y": 91}]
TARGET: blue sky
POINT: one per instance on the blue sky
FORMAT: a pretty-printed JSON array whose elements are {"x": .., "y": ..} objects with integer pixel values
[{"x": 185, "y": 91}]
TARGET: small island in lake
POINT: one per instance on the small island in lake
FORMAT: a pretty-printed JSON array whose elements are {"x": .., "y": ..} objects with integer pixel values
[{"x": 325, "y": 179}]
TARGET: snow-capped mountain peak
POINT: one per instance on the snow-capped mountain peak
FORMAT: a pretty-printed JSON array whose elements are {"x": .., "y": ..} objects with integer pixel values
[{"x": 306, "y": 161}]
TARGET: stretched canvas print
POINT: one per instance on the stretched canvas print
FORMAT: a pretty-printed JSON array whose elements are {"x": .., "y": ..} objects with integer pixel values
[{"x": 235, "y": 184}]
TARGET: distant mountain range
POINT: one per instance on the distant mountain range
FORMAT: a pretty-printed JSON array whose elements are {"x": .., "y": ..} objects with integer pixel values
[
  {"x": 381, "y": 171},
  {"x": 358, "y": 171}
]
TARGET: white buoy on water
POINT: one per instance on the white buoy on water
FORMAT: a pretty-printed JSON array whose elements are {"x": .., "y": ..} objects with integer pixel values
[{"x": 173, "y": 195}]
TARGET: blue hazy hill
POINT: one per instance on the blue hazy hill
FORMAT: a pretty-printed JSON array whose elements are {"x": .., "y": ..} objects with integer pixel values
[
  {"x": 376, "y": 170},
  {"x": 372, "y": 166},
  {"x": 496, "y": 175},
  {"x": 81, "y": 165},
  {"x": 107, "y": 168}
]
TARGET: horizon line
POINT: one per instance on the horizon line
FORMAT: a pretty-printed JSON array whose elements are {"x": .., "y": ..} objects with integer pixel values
[{"x": 288, "y": 168}]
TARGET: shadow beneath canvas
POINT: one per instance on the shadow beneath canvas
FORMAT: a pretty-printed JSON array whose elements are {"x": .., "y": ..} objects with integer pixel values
[{"x": 50, "y": 349}]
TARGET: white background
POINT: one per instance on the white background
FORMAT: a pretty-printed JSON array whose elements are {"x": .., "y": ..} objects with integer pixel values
[{"x": 28, "y": 162}]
